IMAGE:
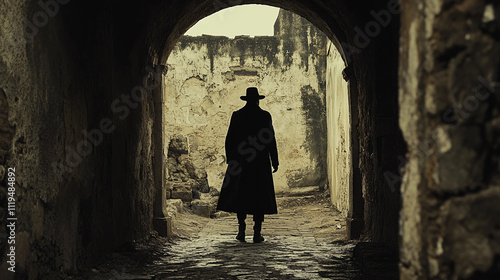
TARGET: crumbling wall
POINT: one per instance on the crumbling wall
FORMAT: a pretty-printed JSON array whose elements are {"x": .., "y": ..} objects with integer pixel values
[{"x": 207, "y": 75}]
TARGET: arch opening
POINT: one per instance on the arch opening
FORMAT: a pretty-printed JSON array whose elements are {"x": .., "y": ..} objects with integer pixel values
[{"x": 206, "y": 74}]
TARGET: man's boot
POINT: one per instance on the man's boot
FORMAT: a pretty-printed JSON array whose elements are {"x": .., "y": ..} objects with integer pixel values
[
  {"x": 241, "y": 232},
  {"x": 241, "y": 227},
  {"x": 257, "y": 237}
]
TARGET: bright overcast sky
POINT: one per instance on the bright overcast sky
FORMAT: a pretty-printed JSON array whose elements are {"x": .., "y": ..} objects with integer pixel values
[{"x": 253, "y": 20}]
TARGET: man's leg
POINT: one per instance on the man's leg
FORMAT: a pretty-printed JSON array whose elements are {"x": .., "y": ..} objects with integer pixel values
[
  {"x": 241, "y": 226},
  {"x": 258, "y": 219}
]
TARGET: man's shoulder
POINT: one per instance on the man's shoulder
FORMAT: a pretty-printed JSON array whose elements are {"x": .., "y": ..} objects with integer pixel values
[
  {"x": 238, "y": 112},
  {"x": 265, "y": 113},
  {"x": 253, "y": 111},
  {"x": 262, "y": 111}
]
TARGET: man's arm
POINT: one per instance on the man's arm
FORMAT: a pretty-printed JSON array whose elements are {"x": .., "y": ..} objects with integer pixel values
[
  {"x": 230, "y": 138},
  {"x": 273, "y": 149}
]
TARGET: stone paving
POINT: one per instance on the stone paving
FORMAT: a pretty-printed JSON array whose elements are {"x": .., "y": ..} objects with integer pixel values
[
  {"x": 296, "y": 247},
  {"x": 287, "y": 253}
]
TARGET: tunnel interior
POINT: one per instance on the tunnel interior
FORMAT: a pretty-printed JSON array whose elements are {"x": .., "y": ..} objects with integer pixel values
[{"x": 81, "y": 102}]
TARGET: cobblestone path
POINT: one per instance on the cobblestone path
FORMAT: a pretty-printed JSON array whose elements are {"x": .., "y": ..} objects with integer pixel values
[
  {"x": 289, "y": 252},
  {"x": 304, "y": 241}
]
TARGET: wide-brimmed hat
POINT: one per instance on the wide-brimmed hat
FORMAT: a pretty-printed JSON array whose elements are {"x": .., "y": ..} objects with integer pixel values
[{"x": 252, "y": 94}]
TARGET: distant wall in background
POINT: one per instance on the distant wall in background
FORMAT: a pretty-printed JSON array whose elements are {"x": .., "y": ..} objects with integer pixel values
[{"x": 207, "y": 75}]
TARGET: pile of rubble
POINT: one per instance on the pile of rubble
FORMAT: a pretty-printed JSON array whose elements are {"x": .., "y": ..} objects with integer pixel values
[{"x": 187, "y": 186}]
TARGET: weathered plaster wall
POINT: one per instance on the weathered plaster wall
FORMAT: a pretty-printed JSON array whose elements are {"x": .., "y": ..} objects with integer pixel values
[
  {"x": 450, "y": 118},
  {"x": 207, "y": 75},
  {"x": 339, "y": 132}
]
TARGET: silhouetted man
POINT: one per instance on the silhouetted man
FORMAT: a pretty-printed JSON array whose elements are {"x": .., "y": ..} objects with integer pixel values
[{"x": 248, "y": 186}]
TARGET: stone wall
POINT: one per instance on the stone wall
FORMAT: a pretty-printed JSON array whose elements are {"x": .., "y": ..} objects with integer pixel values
[
  {"x": 339, "y": 132},
  {"x": 207, "y": 75},
  {"x": 75, "y": 201},
  {"x": 450, "y": 118}
]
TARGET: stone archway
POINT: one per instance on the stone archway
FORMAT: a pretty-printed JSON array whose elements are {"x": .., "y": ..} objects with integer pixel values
[
  {"x": 318, "y": 17},
  {"x": 292, "y": 68}
]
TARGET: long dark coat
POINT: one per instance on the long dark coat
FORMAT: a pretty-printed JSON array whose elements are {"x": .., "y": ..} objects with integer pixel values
[{"x": 250, "y": 145}]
